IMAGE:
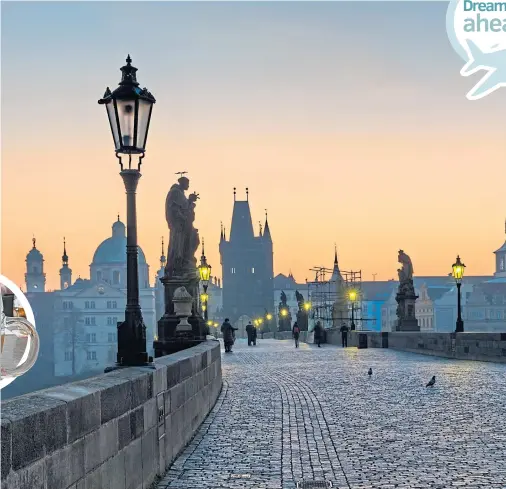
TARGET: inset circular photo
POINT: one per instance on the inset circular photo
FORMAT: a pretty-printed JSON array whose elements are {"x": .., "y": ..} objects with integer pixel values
[{"x": 19, "y": 341}]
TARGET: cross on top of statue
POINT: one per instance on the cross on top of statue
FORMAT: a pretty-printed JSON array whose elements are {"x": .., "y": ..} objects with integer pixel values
[{"x": 181, "y": 173}]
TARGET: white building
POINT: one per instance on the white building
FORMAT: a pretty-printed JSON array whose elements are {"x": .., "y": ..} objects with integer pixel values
[{"x": 86, "y": 312}]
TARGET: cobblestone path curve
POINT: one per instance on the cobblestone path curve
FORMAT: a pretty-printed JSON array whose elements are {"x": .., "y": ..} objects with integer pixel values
[{"x": 289, "y": 414}]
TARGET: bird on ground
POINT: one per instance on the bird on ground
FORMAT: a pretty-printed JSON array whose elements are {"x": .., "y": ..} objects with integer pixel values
[
  {"x": 370, "y": 372},
  {"x": 431, "y": 382}
]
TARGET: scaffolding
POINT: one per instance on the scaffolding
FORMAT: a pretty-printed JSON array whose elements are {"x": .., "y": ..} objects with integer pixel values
[{"x": 323, "y": 295}]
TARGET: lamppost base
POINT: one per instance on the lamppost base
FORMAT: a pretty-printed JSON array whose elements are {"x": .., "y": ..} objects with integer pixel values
[
  {"x": 132, "y": 341},
  {"x": 460, "y": 327}
]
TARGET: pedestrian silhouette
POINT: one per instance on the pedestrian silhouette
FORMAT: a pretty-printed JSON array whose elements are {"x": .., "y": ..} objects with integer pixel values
[
  {"x": 370, "y": 372},
  {"x": 431, "y": 382}
]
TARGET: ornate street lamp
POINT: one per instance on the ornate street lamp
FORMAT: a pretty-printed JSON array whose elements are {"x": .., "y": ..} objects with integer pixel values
[
  {"x": 458, "y": 272},
  {"x": 307, "y": 306},
  {"x": 352, "y": 294},
  {"x": 205, "y": 275},
  {"x": 129, "y": 111}
]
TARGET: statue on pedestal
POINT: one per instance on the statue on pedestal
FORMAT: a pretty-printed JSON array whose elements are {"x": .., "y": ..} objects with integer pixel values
[
  {"x": 406, "y": 297},
  {"x": 284, "y": 316},
  {"x": 181, "y": 279},
  {"x": 302, "y": 314},
  {"x": 184, "y": 238}
]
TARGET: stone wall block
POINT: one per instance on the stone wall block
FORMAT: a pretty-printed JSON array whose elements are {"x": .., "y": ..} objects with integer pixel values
[
  {"x": 150, "y": 458},
  {"x": 65, "y": 466},
  {"x": 101, "y": 444},
  {"x": 83, "y": 408},
  {"x": 38, "y": 427},
  {"x": 6, "y": 447},
  {"x": 150, "y": 414}
]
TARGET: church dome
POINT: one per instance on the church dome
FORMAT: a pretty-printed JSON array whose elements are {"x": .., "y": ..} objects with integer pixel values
[
  {"x": 34, "y": 253},
  {"x": 113, "y": 249}
]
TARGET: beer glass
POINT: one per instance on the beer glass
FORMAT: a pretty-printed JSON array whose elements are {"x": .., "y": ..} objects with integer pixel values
[{"x": 19, "y": 347}]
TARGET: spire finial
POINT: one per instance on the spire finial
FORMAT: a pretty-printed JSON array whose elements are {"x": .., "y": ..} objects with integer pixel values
[
  {"x": 247, "y": 194},
  {"x": 33, "y": 241},
  {"x": 234, "y": 193},
  {"x": 64, "y": 247},
  {"x": 163, "y": 250},
  {"x": 129, "y": 60},
  {"x": 203, "y": 251},
  {"x": 265, "y": 215},
  {"x": 335, "y": 254},
  {"x": 118, "y": 216},
  {"x": 260, "y": 224}
]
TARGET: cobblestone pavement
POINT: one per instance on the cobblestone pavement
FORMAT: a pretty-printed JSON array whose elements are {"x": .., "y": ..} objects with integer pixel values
[{"x": 288, "y": 414}]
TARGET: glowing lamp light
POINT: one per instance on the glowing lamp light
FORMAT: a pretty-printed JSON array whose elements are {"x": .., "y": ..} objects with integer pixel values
[
  {"x": 205, "y": 273},
  {"x": 307, "y": 306},
  {"x": 260, "y": 320},
  {"x": 352, "y": 295},
  {"x": 215, "y": 325},
  {"x": 458, "y": 270},
  {"x": 268, "y": 317},
  {"x": 209, "y": 323},
  {"x": 284, "y": 312},
  {"x": 129, "y": 111},
  {"x": 204, "y": 297}
]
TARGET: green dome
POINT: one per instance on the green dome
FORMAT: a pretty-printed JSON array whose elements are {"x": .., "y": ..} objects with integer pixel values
[{"x": 113, "y": 249}]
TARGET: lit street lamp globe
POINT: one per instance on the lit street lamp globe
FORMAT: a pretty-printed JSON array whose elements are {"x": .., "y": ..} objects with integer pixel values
[
  {"x": 129, "y": 110},
  {"x": 284, "y": 312},
  {"x": 458, "y": 270}
]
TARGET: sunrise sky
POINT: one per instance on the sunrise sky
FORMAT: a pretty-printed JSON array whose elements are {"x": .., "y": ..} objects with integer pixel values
[{"x": 347, "y": 121}]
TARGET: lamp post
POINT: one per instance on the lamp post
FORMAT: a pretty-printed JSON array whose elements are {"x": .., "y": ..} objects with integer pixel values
[
  {"x": 353, "y": 296},
  {"x": 205, "y": 275},
  {"x": 458, "y": 272},
  {"x": 129, "y": 111}
]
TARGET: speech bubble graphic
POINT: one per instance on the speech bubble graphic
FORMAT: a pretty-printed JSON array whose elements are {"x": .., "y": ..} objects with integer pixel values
[
  {"x": 19, "y": 328},
  {"x": 477, "y": 33}
]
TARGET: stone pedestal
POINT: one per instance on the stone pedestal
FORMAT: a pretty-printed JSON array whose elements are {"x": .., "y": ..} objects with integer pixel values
[
  {"x": 406, "y": 299},
  {"x": 170, "y": 340}
]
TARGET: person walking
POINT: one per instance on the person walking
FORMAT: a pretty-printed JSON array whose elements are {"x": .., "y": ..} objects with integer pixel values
[
  {"x": 228, "y": 332},
  {"x": 250, "y": 331},
  {"x": 296, "y": 333},
  {"x": 254, "y": 337},
  {"x": 344, "y": 334},
  {"x": 318, "y": 333}
]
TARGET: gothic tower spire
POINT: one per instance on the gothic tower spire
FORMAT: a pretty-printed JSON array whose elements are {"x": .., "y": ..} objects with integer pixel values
[{"x": 65, "y": 271}]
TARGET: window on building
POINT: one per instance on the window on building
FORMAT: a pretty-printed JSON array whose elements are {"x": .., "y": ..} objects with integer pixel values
[
  {"x": 114, "y": 304},
  {"x": 65, "y": 285},
  {"x": 92, "y": 304},
  {"x": 501, "y": 265},
  {"x": 115, "y": 277},
  {"x": 93, "y": 320},
  {"x": 68, "y": 356},
  {"x": 109, "y": 304},
  {"x": 109, "y": 320},
  {"x": 253, "y": 270},
  {"x": 87, "y": 304},
  {"x": 87, "y": 321},
  {"x": 99, "y": 276},
  {"x": 114, "y": 320},
  {"x": 71, "y": 305},
  {"x": 232, "y": 270},
  {"x": 91, "y": 355},
  {"x": 65, "y": 305},
  {"x": 111, "y": 337},
  {"x": 91, "y": 337}
]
